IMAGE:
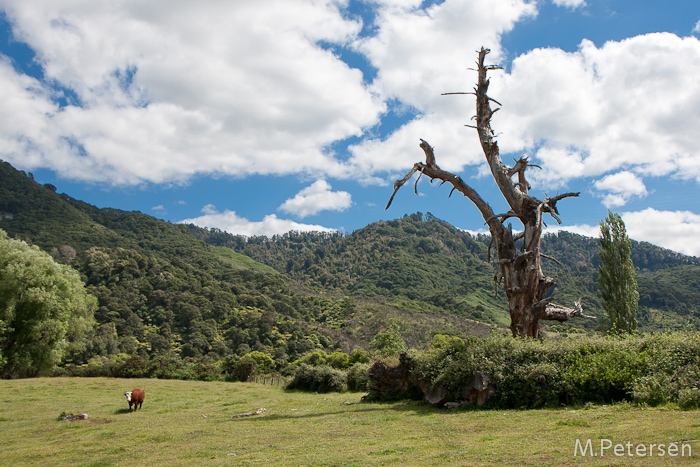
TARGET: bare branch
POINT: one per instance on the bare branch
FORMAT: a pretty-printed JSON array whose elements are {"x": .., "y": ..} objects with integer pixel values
[
  {"x": 429, "y": 154},
  {"x": 415, "y": 185},
  {"x": 505, "y": 216},
  {"x": 562, "y": 313},
  {"x": 399, "y": 183},
  {"x": 519, "y": 269},
  {"x": 551, "y": 258}
]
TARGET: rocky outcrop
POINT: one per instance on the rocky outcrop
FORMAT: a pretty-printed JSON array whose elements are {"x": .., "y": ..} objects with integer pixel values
[
  {"x": 391, "y": 382},
  {"x": 479, "y": 390},
  {"x": 397, "y": 382}
]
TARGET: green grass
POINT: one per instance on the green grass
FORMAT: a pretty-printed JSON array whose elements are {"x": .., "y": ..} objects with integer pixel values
[
  {"x": 186, "y": 423},
  {"x": 228, "y": 256}
]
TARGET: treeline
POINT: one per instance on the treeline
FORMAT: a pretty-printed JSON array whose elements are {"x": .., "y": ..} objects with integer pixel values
[
  {"x": 160, "y": 291},
  {"x": 149, "y": 306},
  {"x": 418, "y": 258},
  {"x": 430, "y": 263}
]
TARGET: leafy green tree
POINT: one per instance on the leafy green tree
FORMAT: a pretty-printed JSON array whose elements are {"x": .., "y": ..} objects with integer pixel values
[
  {"x": 359, "y": 356},
  {"x": 616, "y": 277},
  {"x": 339, "y": 360},
  {"x": 44, "y": 309},
  {"x": 264, "y": 361},
  {"x": 388, "y": 342}
]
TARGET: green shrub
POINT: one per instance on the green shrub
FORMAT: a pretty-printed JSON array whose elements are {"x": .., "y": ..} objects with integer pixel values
[
  {"x": 388, "y": 343},
  {"x": 650, "y": 369},
  {"x": 359, "y": 356},
  {"x": 135, "y": 367},
  {"x": 339, "y": 360},
  {"x": 207, "y": 371},
  {"x": 244, "y": 369},
  {"x": 318, "y": 379},
  {"x": 357, "y": 378},
  {"x": 315, "y": 358},
  {"x": 264, "y": 361}
]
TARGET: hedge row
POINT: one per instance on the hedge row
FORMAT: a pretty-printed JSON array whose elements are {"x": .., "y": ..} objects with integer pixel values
[{"x": 649, "y": 369}]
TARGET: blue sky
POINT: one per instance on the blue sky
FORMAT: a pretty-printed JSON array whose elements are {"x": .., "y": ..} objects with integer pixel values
[{"x": 263, "y": 117}]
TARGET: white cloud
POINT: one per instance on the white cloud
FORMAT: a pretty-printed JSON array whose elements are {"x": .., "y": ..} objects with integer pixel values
[
  {"x": 169, "y": 90},
  {"x": 676, "y": 230},
  {"x": 419, "y": 55},
  {"x": 581, "y": 229},
  {"x": 620, "y": 188},
  {"x": 230, "y": 222},
  {"x": 629, "y": 105},
  {"x": 316, "y": 198},
  {"x": 696, "y": 29},
  {"x": 573, "y": 4},
  {"x": 632, "y": 104}
]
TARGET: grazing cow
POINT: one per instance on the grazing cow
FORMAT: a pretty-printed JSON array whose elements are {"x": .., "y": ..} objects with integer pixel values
[{"x": 135, "y": 397}]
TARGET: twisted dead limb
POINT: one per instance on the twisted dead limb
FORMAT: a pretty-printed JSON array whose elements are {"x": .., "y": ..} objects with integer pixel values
[{"x": 525, "y": 284}]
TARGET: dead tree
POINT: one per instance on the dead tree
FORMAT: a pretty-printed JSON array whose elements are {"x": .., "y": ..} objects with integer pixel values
[{"x": 519, "y": 267}]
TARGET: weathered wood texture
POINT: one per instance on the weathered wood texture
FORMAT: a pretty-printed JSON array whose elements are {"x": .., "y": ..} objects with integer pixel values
[{"x": 520, "y": 269}]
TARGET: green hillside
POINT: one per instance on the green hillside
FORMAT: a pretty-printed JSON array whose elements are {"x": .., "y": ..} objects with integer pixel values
[
  {"x": 174, "y": 293},
  {"x": 425, "y": 263},
  {"x": 164, "y": 294}
]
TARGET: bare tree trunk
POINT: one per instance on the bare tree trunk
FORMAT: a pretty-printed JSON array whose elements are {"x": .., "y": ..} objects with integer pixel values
[{"x": 520, "y": 269}]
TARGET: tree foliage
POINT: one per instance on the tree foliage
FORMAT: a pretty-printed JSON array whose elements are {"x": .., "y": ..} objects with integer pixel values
[
  {"x": 617, "y": 280},
  {"x": 44, "y": 309},
  {"x": 182, "y": 300}
]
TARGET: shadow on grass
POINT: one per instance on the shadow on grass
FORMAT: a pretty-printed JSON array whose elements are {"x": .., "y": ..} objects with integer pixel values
[
  {"x": 418, "y": 408},
  {"x": 122, "y": 411}
]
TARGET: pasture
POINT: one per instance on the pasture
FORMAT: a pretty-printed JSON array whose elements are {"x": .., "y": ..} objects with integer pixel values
[{"x": 189, "y": 423}]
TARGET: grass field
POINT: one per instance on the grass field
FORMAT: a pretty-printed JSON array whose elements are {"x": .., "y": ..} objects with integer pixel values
[{"x": 187, "y": 423}]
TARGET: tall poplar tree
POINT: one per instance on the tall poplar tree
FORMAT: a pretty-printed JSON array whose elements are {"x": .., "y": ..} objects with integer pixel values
[{"x": 616, "y": 277}]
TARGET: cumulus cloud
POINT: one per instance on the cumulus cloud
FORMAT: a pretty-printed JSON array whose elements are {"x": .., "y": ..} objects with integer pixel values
[
  {"x": 620, "y": 188},
  {"x": 628, "y": 105},
  {"x": 231, "y": 222},
  {"x": 573, "y": 4},
  {"x": 420, "y": 54},
  {"x": 631, "y": 104},
  {"x": 696, "y": 29},
  {"x": 165, "y": 91},
  {"x": 316, "y": 198},
  {"x": 676, "y": 230}
]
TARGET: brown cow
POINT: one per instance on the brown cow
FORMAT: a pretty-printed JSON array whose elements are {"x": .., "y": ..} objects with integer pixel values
[{"x": 135, "y": 397}]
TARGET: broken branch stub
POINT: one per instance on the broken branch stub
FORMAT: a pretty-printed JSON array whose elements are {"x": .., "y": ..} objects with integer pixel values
[{"x": 525, "y": 284}]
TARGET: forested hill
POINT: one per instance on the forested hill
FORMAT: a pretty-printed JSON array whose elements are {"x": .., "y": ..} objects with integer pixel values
[
  {"x": 162, "y": 292},
  {"x": 428, "y": 261},
  {"x": 177, "y": 292},
  {"x": 168, "y": 296}
]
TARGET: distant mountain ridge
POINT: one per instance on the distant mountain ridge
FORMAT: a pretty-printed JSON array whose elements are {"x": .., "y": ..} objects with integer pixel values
[
  {"x": 167, "y": 289},
  {"x": 427, "y": 260}
]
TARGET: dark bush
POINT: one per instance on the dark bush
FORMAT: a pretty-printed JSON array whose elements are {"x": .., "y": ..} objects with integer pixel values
[
  {"x": 318, "y": 379},
  {"x": 651, "y": 369},
  {"x": 207, "y": 371},
  {"x": 357, "y": 378},
  {"x": 244, "y": 369},
  {"x": 134, "y": 367}
]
